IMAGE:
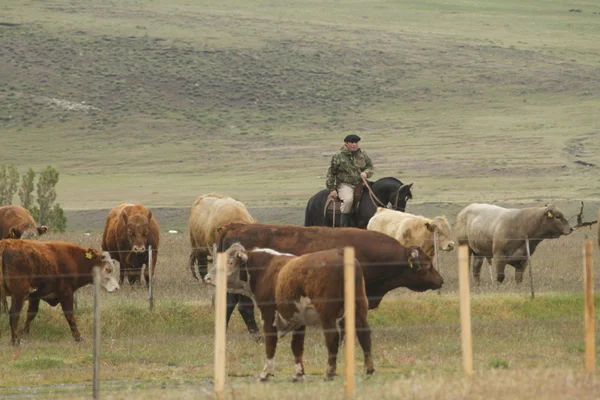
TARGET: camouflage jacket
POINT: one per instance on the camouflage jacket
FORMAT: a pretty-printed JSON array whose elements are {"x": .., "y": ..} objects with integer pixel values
[{"x": 346, "y": 168}]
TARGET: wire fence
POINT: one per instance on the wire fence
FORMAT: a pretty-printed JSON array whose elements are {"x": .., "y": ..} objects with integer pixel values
[{"x": 557, "y": 269}]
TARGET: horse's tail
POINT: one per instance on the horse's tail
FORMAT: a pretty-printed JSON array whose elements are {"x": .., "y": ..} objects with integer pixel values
[{"x": 308, "y": 221}]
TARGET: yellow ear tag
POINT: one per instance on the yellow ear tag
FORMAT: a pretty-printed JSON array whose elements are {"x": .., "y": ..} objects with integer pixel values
[
  {"x": 550, "y": 215},
  {"x": 88, "y": 255},
  {"x": 410, "y": 264}
]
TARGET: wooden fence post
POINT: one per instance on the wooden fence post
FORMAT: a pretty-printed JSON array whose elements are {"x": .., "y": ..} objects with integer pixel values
[
  {"x": 349, "y": 318},
  {"x": 465, "y": 309},
  {"x": 220, "y": 325},
  {"x": 96, "y": 351}
]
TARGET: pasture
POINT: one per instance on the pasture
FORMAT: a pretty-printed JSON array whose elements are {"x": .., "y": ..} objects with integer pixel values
[
  {"x": 160, "y": 101},
  {"x": 535, "y": 346}
]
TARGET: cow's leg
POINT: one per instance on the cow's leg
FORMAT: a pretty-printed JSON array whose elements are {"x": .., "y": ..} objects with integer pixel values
[
  {"x": 519, "y": 270},
  {"x": 232, "y": 300},
  {"x": 332, "y": 339},
  {"x": 200, "y": 258},
  {"x": 270, "y": 334},
  {"x": 122, "y": 268},
  {"x": 246, "y": 310},
  {"x": 298, "y": 350},
  {"x": 499, "y": 265},
  {"x": 477, "y": 263},
  {"x": 32, "y": 310},
  {"x": 66, "y": 302},
  {"x": 363, "y": 333},
  {"x": 16, "y": 306}
]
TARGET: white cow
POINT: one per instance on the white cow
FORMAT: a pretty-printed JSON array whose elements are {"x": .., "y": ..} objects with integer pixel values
[{"x": 413, "y": 230}]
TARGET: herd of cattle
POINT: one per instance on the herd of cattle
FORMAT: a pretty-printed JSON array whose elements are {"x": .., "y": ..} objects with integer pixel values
[{"x": 292, "y": 274}]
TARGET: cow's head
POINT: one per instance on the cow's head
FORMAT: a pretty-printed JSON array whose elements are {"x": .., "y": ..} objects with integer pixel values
[
  {"x": 237, "y": 257},
  {"x": 442, "y": 227},
  {"x": 553, "y": 223},
  {"x": 138, "y": 229},
  {"x": 421, "y": 275},
  {"x": 26, "y": 231},
  {"x": 107, "y": 266}
]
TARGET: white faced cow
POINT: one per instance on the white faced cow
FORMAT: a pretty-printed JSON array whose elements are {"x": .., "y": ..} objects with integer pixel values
[{"x": 498, "y": 234}]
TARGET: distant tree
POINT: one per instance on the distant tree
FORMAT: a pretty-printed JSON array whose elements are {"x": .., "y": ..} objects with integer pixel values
[
  {"x": 13, "y": 182},
  {"x": 58, "y": 218},
  {"x": 49, "y": 213},
  {"x": 9, "y": 178},
  {"x": 26, "y": 190},
  {"x": 46, "y": 193},
  {"x": 3, "y": 185}
]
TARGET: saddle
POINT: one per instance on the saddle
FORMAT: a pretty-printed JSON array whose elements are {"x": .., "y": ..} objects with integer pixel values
[{"x": 334, "y": 204}]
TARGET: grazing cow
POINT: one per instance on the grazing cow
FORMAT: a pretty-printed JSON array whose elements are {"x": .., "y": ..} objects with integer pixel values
[
  {"x": 295, "y": 292},
  {"x": 17, "y": 223},
  {"x": 498, "y": 234},
  {"x": 49, "y": 271},
  {"x": 386, "y": 264},
  {"x": 129, "y": 230},
  {"x": 413, "y": 230},
  {"x": 209, "y": 212}
]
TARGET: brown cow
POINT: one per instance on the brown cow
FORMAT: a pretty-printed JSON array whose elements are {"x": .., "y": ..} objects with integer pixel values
[
  {"x": 209, "y": 212},
  {"x": 49, "y": 271},
  {"x": 129, "y": 230},
  {"x": 294, "y": 292},
  {"x": 17, "y": 223},
  {"x": 386, "y": 264}
]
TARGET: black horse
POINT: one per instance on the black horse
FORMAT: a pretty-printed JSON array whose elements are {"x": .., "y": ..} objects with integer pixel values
[{"x": 389, "y": 190}]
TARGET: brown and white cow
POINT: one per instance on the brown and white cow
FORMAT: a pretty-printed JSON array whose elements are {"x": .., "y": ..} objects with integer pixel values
[
  {"x": 209, "y": 212},
  {"x": 413, "y": 230},
  {"x": 128, "y": 231},
  {"x": 17, "y": 223},
  {"x": 49, "y": 271},
  {"x": 386, "y": 264},
  {"x": 498, "y": 234},
  {"x": 295, "y": 292}
]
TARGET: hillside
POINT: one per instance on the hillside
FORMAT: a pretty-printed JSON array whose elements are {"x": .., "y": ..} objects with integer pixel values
[{"x": 159, "y": 101}]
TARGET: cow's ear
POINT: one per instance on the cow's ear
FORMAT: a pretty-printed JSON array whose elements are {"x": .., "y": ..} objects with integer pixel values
[
  {"x": 149, "y": 215},
  {"x": 549, "y": 214},
  {"x": 429, "y": 227},
  {"x": 242, "y": 256},
  {"x": 42, "y": 229},
  {"x": 14, "y": 233},
  {"x": 90, "y": 253}
]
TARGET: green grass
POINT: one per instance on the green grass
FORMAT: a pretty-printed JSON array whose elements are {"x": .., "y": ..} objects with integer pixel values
[
  {"x": 533, "y": 345},
  {"x": 469, "y": 100}
]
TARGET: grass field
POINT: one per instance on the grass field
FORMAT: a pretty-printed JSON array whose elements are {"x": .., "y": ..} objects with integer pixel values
[
  {"x": 471, "y": 101},
  {"x": 535, "y": 346},
  {"x": 160, "y": 101}
]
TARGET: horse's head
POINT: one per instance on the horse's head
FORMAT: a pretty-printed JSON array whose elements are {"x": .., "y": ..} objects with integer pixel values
[{"x": 401, "y": 197}]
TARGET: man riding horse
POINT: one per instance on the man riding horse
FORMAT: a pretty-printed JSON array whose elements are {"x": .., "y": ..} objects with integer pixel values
[{"x": 348, "y": 168}]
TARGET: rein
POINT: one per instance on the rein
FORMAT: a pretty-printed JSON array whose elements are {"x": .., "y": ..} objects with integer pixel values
[{"x": 374, "y": 197}]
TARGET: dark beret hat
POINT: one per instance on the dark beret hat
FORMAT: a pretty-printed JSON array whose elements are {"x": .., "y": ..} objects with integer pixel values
[{"x": 352, "y": 138}]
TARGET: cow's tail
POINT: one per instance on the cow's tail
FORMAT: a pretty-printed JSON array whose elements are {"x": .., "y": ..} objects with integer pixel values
[
  {"x": 3, "y": 302},
  {"x": 192, "y": 263}
]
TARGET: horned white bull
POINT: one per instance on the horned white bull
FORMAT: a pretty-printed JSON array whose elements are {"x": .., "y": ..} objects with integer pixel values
[
  {"x": 499, "y": 234},
  {"x": 413, "y": 230}
]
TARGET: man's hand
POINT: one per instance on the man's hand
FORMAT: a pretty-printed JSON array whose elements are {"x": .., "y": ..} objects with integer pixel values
[
  {"x": 363, "y": 175},
  {"x": 333, "y": 194}
]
